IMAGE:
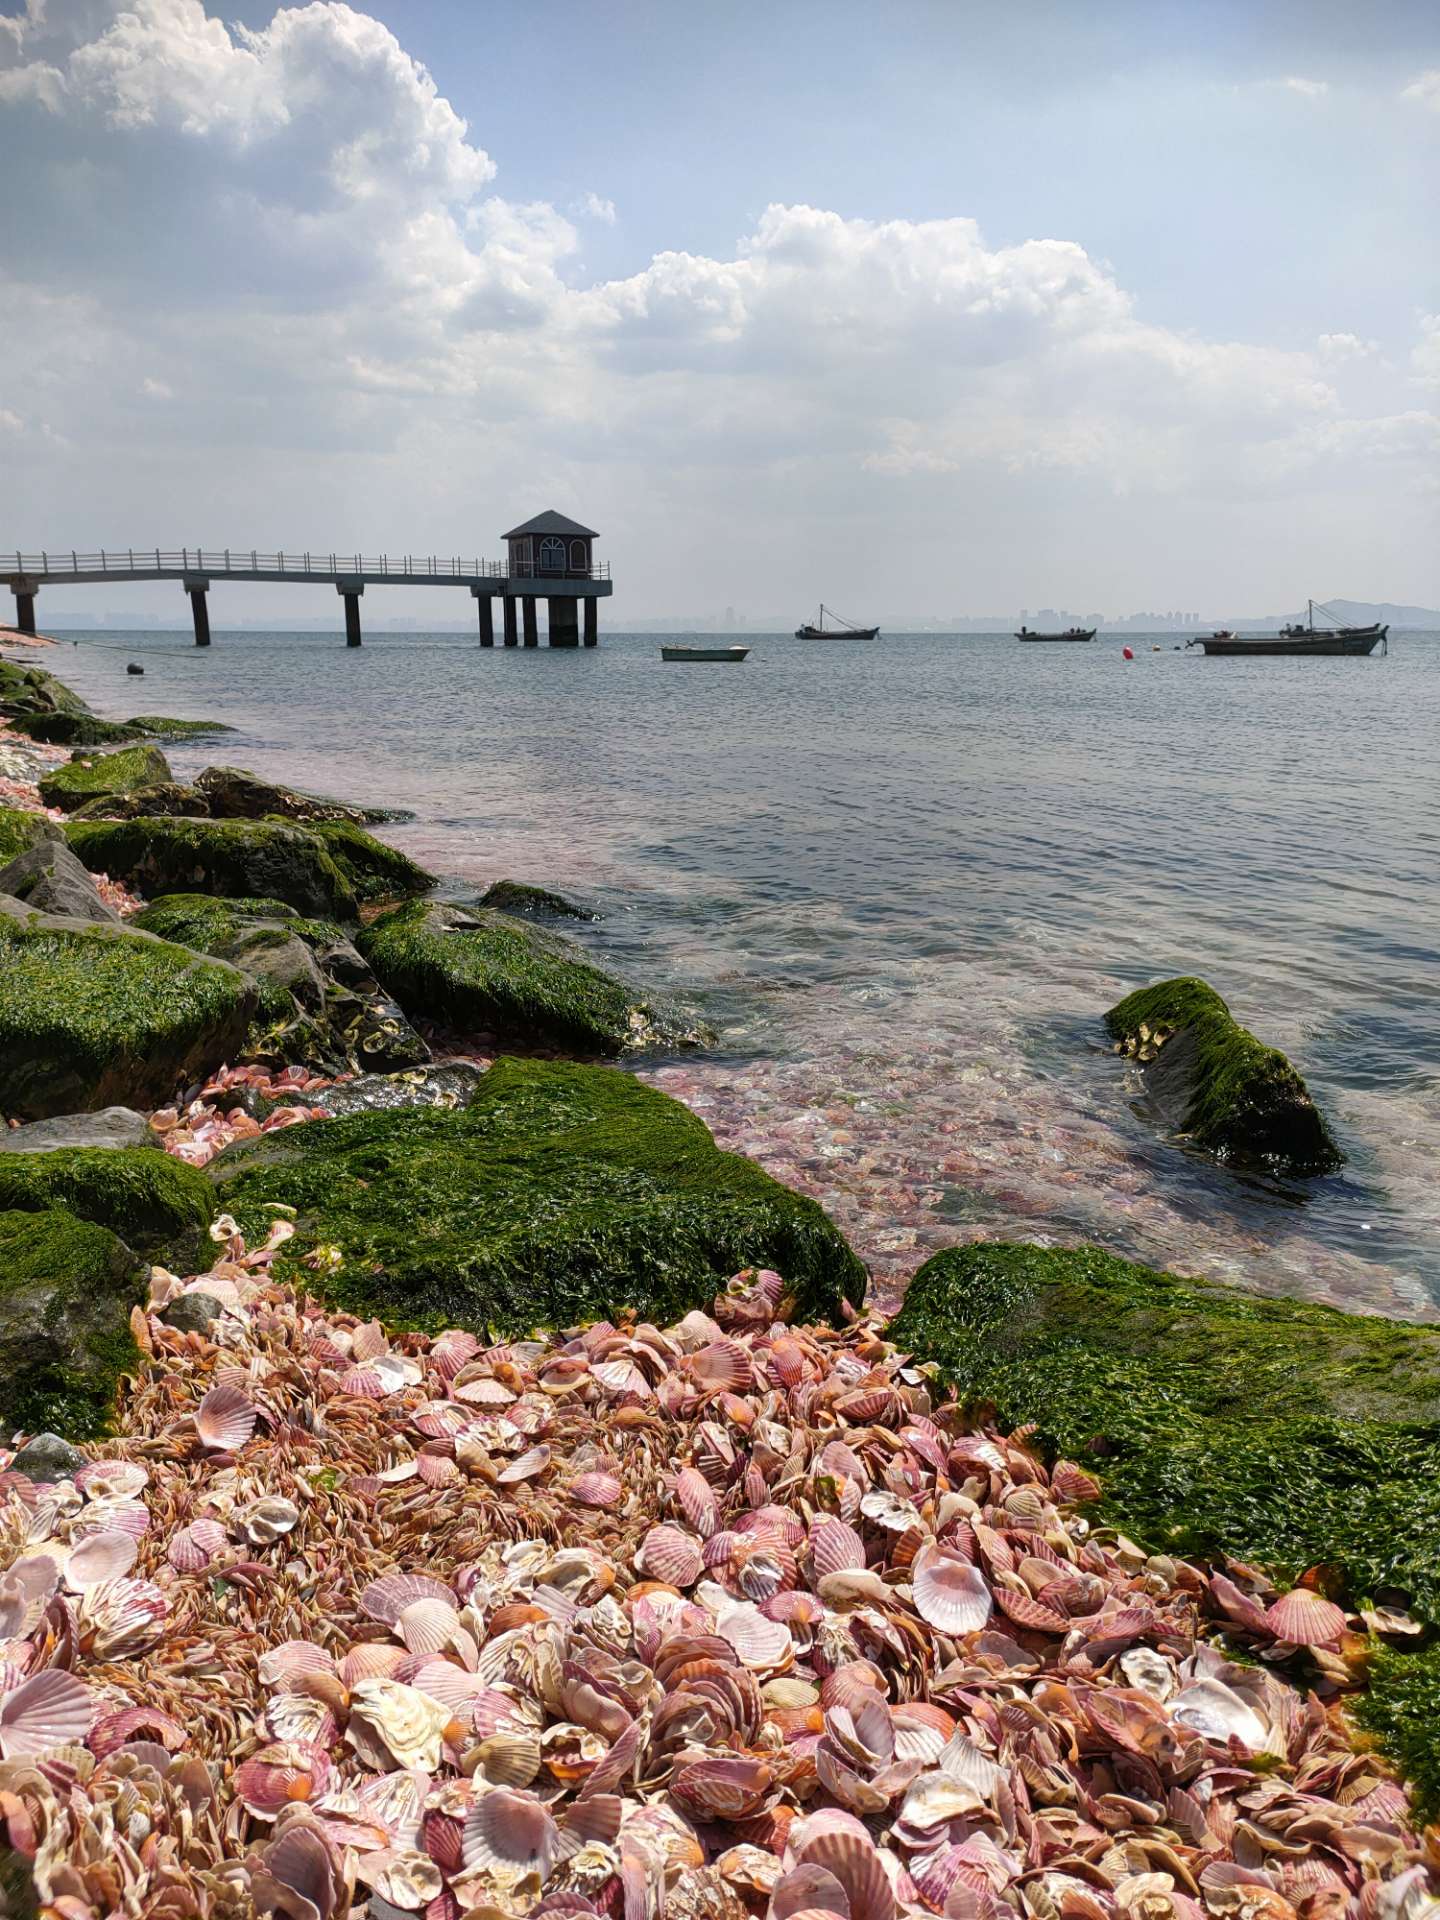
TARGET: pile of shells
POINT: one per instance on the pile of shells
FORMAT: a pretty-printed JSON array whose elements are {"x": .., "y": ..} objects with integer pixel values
[
  {"x": 215, "y": 1117},
  {"x": 729, "y": 1619}
]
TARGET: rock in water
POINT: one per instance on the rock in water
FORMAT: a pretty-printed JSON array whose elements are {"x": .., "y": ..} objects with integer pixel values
[
  {"x": 48, "y": 877},
  {"x": 90, "y": 1014},
  {"x": 114, "y": 1127},
  {"x": 486, "y": 972},
  {"x": 560, "y": 1194},
  {"x": 1219, "y": 1421},
  {"x": 532, "y": 903},
  {"x": 326, "y": 867},
  {"x": 230, "y": 793},
  {"x": 1234, "y": 1097},
  {"x": 454, "y": 1084},
  {"x": 93, "y": 776},
  {"x": 66, "y": 1292}
]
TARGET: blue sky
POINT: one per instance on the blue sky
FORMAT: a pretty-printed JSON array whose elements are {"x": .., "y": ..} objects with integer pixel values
[{"x": 954, "y": 308}]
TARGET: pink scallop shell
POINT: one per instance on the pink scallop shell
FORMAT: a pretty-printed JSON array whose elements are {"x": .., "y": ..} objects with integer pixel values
[
  {"x": 950, "y": 1594},
  {"x": 284, "y": 1664},
  {"x": 525, "y": 1466},
  {"x": 596, "y": 1490},
  {"x": 697, "y": 1501},
  {"x": 836, "y": 1547},
  {"x": 672, "y": 1556},
  {"x": 225, "y": 1418},
  {"x": 387, "y": 1598},
  {"x": 100, "y": 1556},
  {"x": 1305, "y": 1619},
  {"x": 50, "y": 1709},
  {"x": 195, "y": 1546}
]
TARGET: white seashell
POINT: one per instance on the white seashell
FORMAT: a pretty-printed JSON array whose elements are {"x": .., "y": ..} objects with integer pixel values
[
  {"x": 397, "y": 1801},
  {"x": 106, "y": 1514},
  {"x": 760, "y": 1643},
  {"x": 409, "y": 1881},
  {"x": 262, "y": 1522},
  {"x": 24, "y": 1591},
  {"x": 111, "y": 1479},
  {"x": 1210, "y": 1707},
  {"x": 428, "y": 1626},
  {"x": 120, "y": 1617},
  {"x": 100, "y": 1556},
  {"x": 387, "y": 1598},
  {"x": 1148, "y": 1671},
  {"x": 526, "y": 1467},
  {"x": 950, "y": 1594},
  {"x": 282, "y": 1665},
  {"x": 509, "y": 1835},
  {"x": 395, "y": 1726},
  {"x": 225, "y": 1418}
]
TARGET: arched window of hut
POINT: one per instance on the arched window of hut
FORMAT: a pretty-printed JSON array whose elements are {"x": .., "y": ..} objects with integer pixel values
[
  {"x": 579, "y": 561},
  {"x": 552, "y": 555}
]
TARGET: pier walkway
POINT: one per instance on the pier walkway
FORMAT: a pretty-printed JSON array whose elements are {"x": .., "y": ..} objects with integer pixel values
[{"x": 561, "y": 572}]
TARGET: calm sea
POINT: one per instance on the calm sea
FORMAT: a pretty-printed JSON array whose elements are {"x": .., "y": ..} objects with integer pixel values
[{"x": 909, "y": 876}]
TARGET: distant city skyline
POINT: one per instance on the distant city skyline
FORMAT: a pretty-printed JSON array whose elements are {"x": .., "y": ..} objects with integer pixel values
[{"x": 948, "y": 305}]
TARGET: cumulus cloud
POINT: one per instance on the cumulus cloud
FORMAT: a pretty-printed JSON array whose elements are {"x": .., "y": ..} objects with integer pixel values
[
  {"x": 1307, "y": 89},
  {"x": 821, "y": 357},
  {"x": 1424, "y": 89}
]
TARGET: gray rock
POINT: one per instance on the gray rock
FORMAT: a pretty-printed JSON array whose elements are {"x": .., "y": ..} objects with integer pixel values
[
  {"x": 452, "y": 1085},
  {"x": 518, "y": 897},
  {"x": 113, "y": 1127},
  {"x": 230, "y": 793},
  {"x": 47, "y": 1457},
  {"x": 192, "y": 1312},
  {"x": 49, "y": 878}
]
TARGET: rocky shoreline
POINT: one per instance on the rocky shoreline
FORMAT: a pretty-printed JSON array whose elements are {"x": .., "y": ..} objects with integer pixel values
[{"x": 242, "y": 1040}]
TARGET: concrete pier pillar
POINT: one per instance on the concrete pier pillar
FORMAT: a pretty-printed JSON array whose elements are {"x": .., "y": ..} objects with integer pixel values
[
  {"x": 564, "y": 622},
  {"x": 592, "y": 621},
  {"x": 350, "y": 592},
  {"x": 512, "y": 638},
  {"x": 199, "y": 611},
  {"x": 485, "y": 607},
  {"x": 527, "y": 613},
  {"x": 24, "y": 607}
]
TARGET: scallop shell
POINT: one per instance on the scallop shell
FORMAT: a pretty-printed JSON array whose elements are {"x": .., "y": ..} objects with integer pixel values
[
  {"x": 368, "y": 1340},
  {"x": 1211, "y": 1708},
  {"x": 225, "y": 1418},
  {"x": 723, "y": 1366},
  {"x": 393, "y": 1726},
  {"x": 51, "y": 1709},
  {"x": 369, "y": 1661},
  {"x": 950, "y": 1594},
  {"x": 436, "y": 1469},
  {"x": 509, "y": 1833},
  {"x": 107, "y": 1514},
  {"x": 808, "y": 1889},
  {"x": 387, "y": 1598},
  {"x": 278, "y": 1776},
  {"x": 672, "y": 1556},
  {"x": 428, "y": 1626},
  {"x": 596, "y": 1490},
  {"x": 1073, "y": 1484},
  {"x": 122, "y": 1729},
  {"x": 194, "y": 1547},
  {"x": 111, "y": 1479},
  {"x": 100, "y": 1556},
  {"x": 302, "y": 1861},
  {"x": 405, "y": 1880},
  {"x": 506, "y": 1759},
  {"x": 362, "y": 1383},
  {"x": 722, "y": 1789},
  {"x": 299, "y": 1716},
  {"x": 1305, "y": 1619},
  {"x": 120, "y": 1617},
  {"x": 836, "y": 1547},
  {"x": 697, "y": 1501},
  {"x": 283, "y": 1664},
  {"x": 264, "y": 1521},
  {"x": 760, "y": 1643},
  {"x": 851, "y": 1858}
]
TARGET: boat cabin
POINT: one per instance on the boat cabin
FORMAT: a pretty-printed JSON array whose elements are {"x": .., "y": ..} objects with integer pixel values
[{"x": 550, "y": 547}]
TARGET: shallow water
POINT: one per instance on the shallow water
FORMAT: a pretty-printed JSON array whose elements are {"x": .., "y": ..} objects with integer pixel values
[{"x": 909, "y": 876}]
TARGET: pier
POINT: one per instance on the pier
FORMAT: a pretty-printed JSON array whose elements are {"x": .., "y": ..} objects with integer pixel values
[{"x": 549, "y": 558}]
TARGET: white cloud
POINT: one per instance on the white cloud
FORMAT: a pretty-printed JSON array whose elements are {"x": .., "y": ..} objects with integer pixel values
[
  {"x": 1424, "y": 89},
  {"x": 156, "y": 389},
  {"x": 10, "y": 421},
  {"x": 1425, "y": 358},
  {"x": 37, "y": 80},
  {"x": 596, "y": 208},
  {"x": 1336, "y": 348},
  {"x": 1307, "y": 89}
]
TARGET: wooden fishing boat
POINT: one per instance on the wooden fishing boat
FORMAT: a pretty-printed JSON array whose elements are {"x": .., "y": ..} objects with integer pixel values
[
  {"x": 1070, "y": 633},
  {"x": 703, "y": 653},
  {"x": 1296, "y": 640},
  {"x": 842, "y": 630}
]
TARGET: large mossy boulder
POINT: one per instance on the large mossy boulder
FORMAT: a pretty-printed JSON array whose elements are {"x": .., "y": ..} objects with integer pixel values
[
  {"x": 525, "y": 902},
  {"x": 20, "y": 830},
  {"x": 482, "y": 971},
  {"x": 560, "y": 1194},
  {"x": 1211, "y": 1078},
  {"x": 325, "y": 868},
  {"x": 1218, "y": 1421},
  {"x": 67, "y": 1288},
  {"x": 161, "y": 726},
  {"x": 230, "y": 793},
  {"x": 154, "y": 1202},
  {"x": 91, "y": 1016},
  {"x": 97, "y": 776}
]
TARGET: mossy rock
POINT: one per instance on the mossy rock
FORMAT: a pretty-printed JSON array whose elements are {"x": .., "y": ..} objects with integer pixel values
[
  {"x": 19, "y": 831},
  {"x": 67, "y": 729},
  {"x": 230, "y": 793},
  {"x": 225, "y": 857},
  {"x": 67, "y": 1288},
  {"x": 165, "y": 798},
  {"x": 487, "y": 972},
  {"x": 154, "y": 1202},
  {"x": 159, "y": 726},
  {"x": 560, "y": 1194},
  {"x": 1219, "y": 1421},
  {"x": 88, "y": 778},
  {"x": 27, "y": 690},
  {"x": 1233, "y": 1096},
  {"x": 319, "y": 1002},
  {"x": 518, "y": 897},
  {"x": 94, "y": 1016},
  {"x": 375, "y": 871}
]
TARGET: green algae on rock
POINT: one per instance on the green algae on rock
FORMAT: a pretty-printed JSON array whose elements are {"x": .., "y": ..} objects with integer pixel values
[
  {"x": 66, "y": 1291},
  {"x": 486, "y": 971},
  {"x": 319, "y": 1002},
  {"x": 19, "y": 831},
  {"x": 1401, "y": 1708},
  {"x": 560, "y": 1194},
  {"x": 160, "y": 726},
  {"x": 1218, "y": 1421},
  {"x": 1234, "y": 1096},
  {"x": 93, "y": 1015},
  {"x": 225, "y": 857},
  {"x": 90, "y": 777},
  {"x": 154, "y": 1202},
  {"x": 519, "y": 898}
]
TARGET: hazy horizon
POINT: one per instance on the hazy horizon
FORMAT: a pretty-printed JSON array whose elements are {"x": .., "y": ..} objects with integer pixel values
[{"x": 944, "y": 307}]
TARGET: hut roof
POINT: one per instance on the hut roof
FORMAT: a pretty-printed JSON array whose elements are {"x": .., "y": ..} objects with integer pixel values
[{"x": 552, "y": 522}]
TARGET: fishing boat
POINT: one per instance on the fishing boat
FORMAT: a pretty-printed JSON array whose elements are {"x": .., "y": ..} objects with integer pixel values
[
  {"x": 1070, "y": 633},
  {"x": 703, "y": 653},
  {"x": 1297, "y": 639},
  {"x": 842, "y": 630}
]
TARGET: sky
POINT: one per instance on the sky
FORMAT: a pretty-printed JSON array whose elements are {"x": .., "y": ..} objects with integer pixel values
[{"x": 948, "y": 307}]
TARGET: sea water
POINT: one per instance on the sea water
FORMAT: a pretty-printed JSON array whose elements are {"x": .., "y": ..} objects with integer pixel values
[{"x": 907, "y": 877}]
